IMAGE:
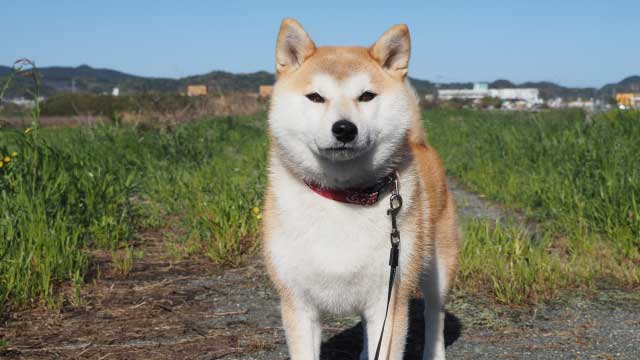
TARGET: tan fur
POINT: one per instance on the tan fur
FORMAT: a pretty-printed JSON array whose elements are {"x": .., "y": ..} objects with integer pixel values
[
  {"x": 339, "y": 62},
  {"x": 442, "y": 213}
]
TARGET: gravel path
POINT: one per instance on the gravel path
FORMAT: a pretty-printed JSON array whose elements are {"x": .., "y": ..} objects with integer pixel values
[{"x": 193, "y": 310}]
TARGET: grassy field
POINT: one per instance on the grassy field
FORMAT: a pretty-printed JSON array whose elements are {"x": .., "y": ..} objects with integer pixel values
[
  {"x": 577, "y": 176},
  {"x": 66, "y": 192}
]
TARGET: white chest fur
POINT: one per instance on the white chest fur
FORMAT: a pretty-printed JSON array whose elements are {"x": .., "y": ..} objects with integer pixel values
[{"x": 331, "y": 254}]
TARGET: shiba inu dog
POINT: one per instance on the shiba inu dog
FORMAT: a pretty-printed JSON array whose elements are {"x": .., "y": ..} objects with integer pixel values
[{"x": 343, "y": 121}]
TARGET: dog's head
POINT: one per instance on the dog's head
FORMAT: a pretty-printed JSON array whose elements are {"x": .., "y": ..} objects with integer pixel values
[{"x": 341, "y": 116}]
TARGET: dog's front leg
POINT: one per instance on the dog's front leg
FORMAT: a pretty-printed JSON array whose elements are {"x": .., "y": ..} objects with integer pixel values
[
  {"x": 302, "y": 328},
  {"x": 395, "y": 332}
]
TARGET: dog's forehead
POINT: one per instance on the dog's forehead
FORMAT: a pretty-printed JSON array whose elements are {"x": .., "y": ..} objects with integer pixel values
[
  {"x": 339, "y": 66},
  {"x": 328, "y": 84},
  {"x": 341, "y": 62}
]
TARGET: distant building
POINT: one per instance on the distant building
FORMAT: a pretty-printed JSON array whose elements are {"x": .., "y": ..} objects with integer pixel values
[
  {"x": 556, "y": 103},
  {"x": 115, "y": 91},
  {"x": 515, "y": 104},
  {"x": 265, "y": 91},
  {"x": 587, "y": 104},
  {"x": 482, "y": 86},
  {"x": 529, "y": 96},
  {"x": 429, "y": 98},
  {"x": 26, "y": 103},
  {"x": 196, "y": 90},
  {"x": 628, "y": 100}
]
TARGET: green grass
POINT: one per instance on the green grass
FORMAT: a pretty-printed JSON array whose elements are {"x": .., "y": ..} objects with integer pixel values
[
  {"x": 577, "y": 175},
  {"x": 69, "y": 191},
  {"x": 506, "y": 262}
]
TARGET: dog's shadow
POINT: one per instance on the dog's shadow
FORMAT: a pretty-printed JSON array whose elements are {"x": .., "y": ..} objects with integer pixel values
[{"x": 347, "y": 345}]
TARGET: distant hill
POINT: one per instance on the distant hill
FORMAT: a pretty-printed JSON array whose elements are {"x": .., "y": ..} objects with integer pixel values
[
  {"x": 91, "y": 80},
  {"x": 549, "y": 90},
  {"x": 86, "y": 79},
  {"x": 630, "y": 84}
]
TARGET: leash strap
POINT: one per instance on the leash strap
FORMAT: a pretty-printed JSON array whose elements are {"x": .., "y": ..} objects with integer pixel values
[{"x": 394, "y": 255}]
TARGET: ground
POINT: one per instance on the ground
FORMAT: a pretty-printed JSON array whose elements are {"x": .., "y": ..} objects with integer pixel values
[{"x": 191, "y": 309}]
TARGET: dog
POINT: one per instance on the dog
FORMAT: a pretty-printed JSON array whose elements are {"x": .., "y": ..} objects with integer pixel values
[{"x": 345, "y": 126}]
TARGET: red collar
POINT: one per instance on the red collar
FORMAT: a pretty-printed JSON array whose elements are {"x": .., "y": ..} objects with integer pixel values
[{"x": 366, "y": 197}]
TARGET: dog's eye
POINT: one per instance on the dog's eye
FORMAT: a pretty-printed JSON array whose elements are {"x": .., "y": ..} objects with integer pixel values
[
  {"x": 366, "y": 96},
  {"x": 315, "y": 97}
]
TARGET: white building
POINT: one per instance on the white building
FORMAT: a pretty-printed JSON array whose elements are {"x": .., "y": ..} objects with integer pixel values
[
  {"x": 26, "y": 103},
  {"x": 530, "y": 96},
  {"x": 556, "y": 103},
  {"x": 580, "y": 103}
]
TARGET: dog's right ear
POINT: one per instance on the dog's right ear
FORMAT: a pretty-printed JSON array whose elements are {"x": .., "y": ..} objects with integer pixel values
[{"x": 294, "y": 46}]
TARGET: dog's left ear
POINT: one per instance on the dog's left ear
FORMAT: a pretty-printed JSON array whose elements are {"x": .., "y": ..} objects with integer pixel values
[{"x": 392, "y": 50}]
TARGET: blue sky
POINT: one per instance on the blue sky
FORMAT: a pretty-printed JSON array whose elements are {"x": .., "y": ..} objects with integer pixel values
[{"x": 574, "y": 43}]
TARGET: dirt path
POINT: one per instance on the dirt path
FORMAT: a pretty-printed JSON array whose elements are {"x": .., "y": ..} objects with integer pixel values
[{"x": 193, "y": 310}]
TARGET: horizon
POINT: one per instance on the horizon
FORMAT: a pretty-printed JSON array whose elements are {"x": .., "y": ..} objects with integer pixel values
[
  {"x": 563, "y": 43},
  {"x": 518, "y": 83}
]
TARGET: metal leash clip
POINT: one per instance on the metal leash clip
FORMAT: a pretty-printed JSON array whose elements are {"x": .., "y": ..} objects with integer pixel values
[{"x": 395, "y": 204}]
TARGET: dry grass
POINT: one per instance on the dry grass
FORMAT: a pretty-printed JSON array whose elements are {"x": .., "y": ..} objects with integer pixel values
[
  {"x": 201, "y": 107},
  {"x": 158, "y": 112}
]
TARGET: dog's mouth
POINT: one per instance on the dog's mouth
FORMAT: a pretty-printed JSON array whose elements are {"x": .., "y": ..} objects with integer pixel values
[
  {"x": 341, "y": 153},
  {"x": 339, "y": 148}
]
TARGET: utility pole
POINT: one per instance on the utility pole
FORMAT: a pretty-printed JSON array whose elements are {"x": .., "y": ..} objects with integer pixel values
[{"x": 73, "y": 85}]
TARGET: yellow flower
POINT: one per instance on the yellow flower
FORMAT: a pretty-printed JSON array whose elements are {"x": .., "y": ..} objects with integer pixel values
[
  {"x": 259, "y": 216},
  {"x": 27, "y": 130},
  {"x": 14, "y": 154},
  {"x": 256, "y": 210},
  {"x": 1, "y": 164},
  {"x": 7, "y": 159}
]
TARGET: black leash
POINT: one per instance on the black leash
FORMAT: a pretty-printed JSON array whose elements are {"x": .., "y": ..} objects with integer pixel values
[{"x": 394, "y": 209}]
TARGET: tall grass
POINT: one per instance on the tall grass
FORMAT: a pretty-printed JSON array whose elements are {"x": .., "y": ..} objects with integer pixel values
[
  {"x": 505, "y": 260},
  {"x": 215, "y": 179},
  {"x": 67, "y": 191},
  {"x": 578, "y": 175}
]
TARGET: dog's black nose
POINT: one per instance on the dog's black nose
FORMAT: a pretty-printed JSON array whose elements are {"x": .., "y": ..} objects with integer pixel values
[{"x": 344, "y": 130}]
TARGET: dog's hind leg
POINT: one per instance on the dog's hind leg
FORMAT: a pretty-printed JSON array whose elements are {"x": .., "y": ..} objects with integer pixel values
[
  {"x": 433, "y": 316},
  {"x": 437, "y": 281}
]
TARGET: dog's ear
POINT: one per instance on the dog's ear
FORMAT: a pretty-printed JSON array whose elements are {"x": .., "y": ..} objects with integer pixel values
[
  {"x": 392, "y": 50},
  {"x": 294, "y": 46}
]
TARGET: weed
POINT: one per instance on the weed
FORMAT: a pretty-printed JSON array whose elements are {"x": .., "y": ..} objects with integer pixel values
[
  {"x": 123, "y": 261},
  {"x": 506, "y": 259}
]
